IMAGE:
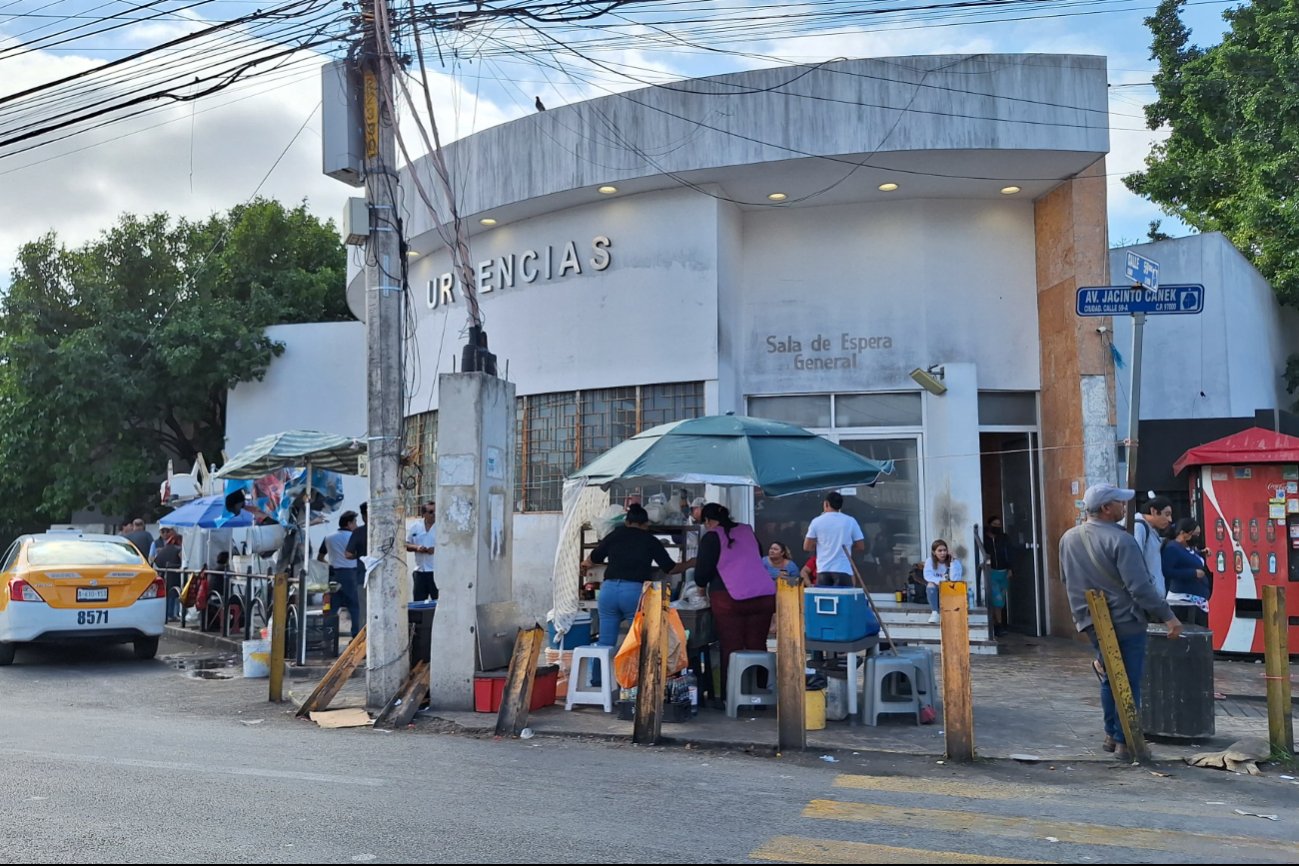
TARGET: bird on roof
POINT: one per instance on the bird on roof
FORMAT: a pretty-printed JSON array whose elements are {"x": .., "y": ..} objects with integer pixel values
[{"x": 537, "y": 103}]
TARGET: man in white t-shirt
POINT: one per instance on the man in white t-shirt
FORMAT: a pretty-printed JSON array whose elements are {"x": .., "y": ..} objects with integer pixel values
[
  {"x": 342, "y": 570},
  {"x": 827, "y": 536},
  {"x": 422, "y": 541}
]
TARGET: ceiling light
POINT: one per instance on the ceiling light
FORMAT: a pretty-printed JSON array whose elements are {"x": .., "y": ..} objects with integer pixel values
[
  {"x": 888, "y": 187},
  {"x": 607, "y": 190},
  {"x": 487, "y": 221},
  {"x": 777, "y": 196},
  {"x": 1009, "y": 190},
  {"x": 412, "y": 254}
]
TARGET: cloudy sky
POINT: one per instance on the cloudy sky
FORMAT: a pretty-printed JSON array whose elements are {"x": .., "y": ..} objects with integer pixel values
[{"x": 263, "y": 135}]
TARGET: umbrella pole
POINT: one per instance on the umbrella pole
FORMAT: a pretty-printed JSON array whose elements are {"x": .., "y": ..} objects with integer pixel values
[{"x": 306, "y": 565}]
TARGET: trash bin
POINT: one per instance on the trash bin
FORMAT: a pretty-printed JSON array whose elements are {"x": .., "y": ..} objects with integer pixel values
[
  {"x": 1177, "y": 686},
  {"x": 420, "y": 616}
]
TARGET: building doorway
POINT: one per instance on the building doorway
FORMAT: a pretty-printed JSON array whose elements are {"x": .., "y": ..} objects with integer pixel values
[{"x": 1010, "y": 470}]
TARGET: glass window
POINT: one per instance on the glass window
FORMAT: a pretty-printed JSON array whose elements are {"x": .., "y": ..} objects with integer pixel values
[
  {"x": 888, "y": 513},
  {"x": 549, "y": 430},
  {"x": 877, "y": 410},
  {"x": 81, "y": 552},
  {"x": 559, "y": 433},
  {"x": 810, "y": 410},
  {"x": 1011, "y": 408},
  {"x": 676, "y": 402},
  {"x": 608, "y": 417}
]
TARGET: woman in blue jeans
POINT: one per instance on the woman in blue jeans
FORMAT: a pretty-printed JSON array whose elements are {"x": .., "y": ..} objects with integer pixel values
[
  {"x": 632, "y": 554},
  {"x": 940, "y": 566}
]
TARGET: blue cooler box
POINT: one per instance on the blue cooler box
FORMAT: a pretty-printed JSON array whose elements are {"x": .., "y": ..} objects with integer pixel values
[
  {"x": 839, "y": 613},
  {"x": 578, "y": 635}
]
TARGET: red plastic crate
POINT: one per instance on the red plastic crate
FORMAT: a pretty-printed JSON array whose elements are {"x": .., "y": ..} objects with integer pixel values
[{"x": 489, "y": 689}]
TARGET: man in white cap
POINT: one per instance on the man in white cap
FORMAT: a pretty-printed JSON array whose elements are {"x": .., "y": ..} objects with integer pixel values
[{"x": 1099, "y": 554}]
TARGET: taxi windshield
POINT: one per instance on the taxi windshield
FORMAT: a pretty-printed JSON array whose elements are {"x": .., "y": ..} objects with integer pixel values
[{"x": 81, "y": 552}]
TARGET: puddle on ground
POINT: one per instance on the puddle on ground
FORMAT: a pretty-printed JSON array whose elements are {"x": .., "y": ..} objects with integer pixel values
[{"x": 207, "y": 666}]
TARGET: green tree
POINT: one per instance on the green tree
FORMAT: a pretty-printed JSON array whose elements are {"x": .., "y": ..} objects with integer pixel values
[
  {"x": 118, "y": 354},
  {"x": 1231, "y": 160}
]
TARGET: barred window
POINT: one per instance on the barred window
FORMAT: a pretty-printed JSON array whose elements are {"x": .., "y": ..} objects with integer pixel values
[
  {"x": 561, "y": 432},
  {"x": 419, "y": 461}
]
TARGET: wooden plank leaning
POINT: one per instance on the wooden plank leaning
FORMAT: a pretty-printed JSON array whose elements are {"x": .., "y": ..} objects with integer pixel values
[
  {"x": 1117, "y": 673},
  {"x": 405, "y": 704},
  {"x": 512, "y": 717},
  {"x": 648, "y": 725},
  {"x": 336, "y": 677}
]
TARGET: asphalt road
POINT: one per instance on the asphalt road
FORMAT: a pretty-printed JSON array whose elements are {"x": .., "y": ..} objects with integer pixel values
[{"x": 107, "y": 759}]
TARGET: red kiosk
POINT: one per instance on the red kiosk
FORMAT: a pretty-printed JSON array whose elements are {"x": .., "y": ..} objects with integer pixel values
[{"x": 1246, "y": 495}]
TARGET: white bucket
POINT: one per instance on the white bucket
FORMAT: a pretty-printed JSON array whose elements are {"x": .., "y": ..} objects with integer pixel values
[{"x": 257, "y": 659}]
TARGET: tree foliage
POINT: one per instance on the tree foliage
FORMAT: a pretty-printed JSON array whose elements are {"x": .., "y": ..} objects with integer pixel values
[
  {"x": 1231, "y": 160},
  {"x": 118, "y": 354}
]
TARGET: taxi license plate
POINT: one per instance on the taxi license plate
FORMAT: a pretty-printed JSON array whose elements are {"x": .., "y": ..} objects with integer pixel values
[{"x": 86, "y": 594}]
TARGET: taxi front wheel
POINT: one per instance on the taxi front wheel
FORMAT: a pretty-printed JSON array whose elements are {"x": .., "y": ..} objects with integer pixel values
[
  {"x": 7, "y": 651},
  {"x": 146, "y": 647}
]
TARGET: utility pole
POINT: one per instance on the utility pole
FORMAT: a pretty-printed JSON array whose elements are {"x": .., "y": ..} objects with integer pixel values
[
  {"x": 387, "y": 662},
  {"x": 1134, "y": 412}
]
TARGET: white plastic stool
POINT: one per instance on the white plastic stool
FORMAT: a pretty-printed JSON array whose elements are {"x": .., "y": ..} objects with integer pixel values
[
  {"x": 580, "y": 690},
  {"x": 923, "y": 657},
  {"x": 741, "y": 681},
  {"x": 877, "y": 702}
]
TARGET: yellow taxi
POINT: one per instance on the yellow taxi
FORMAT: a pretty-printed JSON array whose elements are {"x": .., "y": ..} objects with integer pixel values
[{"x": 59, "y": 586}]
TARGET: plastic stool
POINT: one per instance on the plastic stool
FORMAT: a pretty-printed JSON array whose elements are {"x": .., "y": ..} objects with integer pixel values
[
  {"x": 876, "y": 701},
  {"x": 580, "y": 690},
  {"x": 741, "y": 681},
  {"x": 923, "y": 658}
]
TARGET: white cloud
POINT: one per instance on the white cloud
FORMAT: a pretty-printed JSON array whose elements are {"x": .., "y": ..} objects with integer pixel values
[{"x": 190, "y": 159}]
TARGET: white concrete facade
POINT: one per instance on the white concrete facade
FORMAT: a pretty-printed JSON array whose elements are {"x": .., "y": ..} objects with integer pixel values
[
  {"x": 1225, "y": 362},
  {"x": 690, "y": 273}
]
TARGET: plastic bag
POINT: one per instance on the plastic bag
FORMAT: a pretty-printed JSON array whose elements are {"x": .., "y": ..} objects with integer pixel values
[{"x": 626, "y": 664}]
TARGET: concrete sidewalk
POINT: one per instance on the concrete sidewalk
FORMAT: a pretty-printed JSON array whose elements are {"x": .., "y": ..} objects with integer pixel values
[{"x": 1039, "y": 697}]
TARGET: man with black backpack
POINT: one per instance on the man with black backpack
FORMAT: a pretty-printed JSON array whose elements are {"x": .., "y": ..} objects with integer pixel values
[{"x": 1151, "y": 524}]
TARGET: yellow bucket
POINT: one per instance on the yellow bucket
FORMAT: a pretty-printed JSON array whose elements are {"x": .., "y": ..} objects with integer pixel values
[{"x": 814, "y": 709}]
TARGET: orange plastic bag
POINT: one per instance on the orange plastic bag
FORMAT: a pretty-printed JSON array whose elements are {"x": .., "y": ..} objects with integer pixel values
[{"x": 626, "y": 664}]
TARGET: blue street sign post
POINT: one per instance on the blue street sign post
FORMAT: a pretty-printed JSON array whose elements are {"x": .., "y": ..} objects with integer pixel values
[
  {"x": 1166, "y": 300},
  {"x": 1143, "y": 297},
  {"x": 1142, "y": 271}
]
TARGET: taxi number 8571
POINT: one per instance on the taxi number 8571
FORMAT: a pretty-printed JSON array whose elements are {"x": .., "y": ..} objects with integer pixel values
[{"x": 92, "y": 617}]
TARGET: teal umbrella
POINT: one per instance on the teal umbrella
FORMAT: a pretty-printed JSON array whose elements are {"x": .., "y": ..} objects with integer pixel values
[
  {"x": 730, "y": 450},
  {"x": 295, "y": 448}
]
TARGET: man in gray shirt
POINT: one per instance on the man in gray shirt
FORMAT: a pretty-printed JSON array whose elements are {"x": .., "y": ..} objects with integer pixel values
[{"x": 1099, "y": 554}]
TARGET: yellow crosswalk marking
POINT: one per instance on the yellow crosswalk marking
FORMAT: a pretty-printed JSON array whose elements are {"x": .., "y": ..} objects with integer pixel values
[
  {"x": 932, "y": 787},
  {"x": 798, "y": 849},
  {"x": 1015, "y": 827}
]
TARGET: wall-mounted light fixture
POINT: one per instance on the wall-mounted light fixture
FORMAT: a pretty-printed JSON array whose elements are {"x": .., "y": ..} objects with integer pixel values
[{"x": 931, "y": 380}]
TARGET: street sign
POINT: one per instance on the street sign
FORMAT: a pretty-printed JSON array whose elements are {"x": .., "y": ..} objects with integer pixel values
[
  {"x": 1142, "y": 271},
  {"x": 1128, "y": 300}
]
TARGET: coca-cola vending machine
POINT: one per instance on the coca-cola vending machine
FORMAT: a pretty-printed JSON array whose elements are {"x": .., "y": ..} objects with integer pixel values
[{"x": 1245, "y": 492}]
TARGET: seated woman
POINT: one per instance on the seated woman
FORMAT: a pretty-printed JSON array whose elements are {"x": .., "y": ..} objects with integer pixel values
[{"x": 778, "y": 562}]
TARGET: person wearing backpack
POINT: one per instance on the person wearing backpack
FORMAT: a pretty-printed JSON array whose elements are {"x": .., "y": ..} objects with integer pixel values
[{"x": 1149, "y": 527}]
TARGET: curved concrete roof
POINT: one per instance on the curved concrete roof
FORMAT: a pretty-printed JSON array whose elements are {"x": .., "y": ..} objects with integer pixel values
[{"x": 940, "y": 126}]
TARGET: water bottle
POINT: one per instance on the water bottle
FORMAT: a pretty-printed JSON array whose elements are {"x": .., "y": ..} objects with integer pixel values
[{"x": 692, "y": 688}]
